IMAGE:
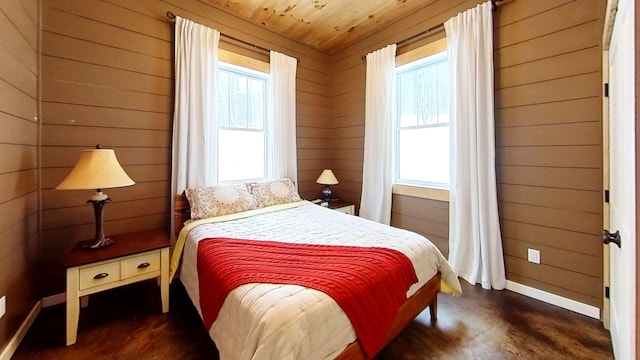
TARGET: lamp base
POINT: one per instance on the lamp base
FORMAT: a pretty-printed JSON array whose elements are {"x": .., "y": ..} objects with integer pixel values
[
  {"x": 99, "y": 240},
  {"x": 98, "y": 244},
  {"x": 326, "y": 193}
]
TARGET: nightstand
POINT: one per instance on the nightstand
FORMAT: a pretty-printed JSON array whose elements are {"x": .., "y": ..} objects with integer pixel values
[
  {"x": 133, "y": 257},
  {"x": 342, "y": 206}
]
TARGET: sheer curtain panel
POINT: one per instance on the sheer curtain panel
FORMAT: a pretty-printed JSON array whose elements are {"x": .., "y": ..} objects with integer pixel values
[
  {"x": 475, "y": 243},
  {"x": 284, "y": 162},
  {"x": 375, "y": 203},
  {"x": 194, "y": 150}
]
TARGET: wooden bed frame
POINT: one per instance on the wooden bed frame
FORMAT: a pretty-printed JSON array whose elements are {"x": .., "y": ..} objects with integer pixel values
[{"x": 426, "y": 296}]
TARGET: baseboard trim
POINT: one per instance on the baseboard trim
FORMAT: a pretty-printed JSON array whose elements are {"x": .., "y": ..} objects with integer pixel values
[
  {"x": 563, "y": 302},
  {"x": 52, "y": 300},
  {"x": 15, "y": 341}
]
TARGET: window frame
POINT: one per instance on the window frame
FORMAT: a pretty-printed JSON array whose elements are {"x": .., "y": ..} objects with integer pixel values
[
  {"x": 256, "y": 72},
  {"x": 415, "y": 190}
]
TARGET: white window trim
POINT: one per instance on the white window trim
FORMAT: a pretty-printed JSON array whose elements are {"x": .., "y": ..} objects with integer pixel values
[{"x": 423, "y": 192}]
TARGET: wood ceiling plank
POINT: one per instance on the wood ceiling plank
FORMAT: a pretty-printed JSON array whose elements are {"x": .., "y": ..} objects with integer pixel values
[{"x": 321, "y": 24}]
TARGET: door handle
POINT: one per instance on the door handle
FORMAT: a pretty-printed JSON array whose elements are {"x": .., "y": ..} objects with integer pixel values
[{"x": 615, "y": 238}]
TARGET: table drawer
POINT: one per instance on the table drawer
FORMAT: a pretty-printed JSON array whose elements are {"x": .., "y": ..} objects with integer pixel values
[
  {"x": 142, "y": 264},
  {"x": 349, "y": 209},
  {"x": 99, "y": 275}
]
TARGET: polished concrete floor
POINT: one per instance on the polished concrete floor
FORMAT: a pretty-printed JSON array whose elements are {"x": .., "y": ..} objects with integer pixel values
[{"x": 127, "y": 323}]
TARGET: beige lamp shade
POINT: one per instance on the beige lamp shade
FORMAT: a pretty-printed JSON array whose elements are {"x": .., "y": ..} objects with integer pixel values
[
  {"x": 96, "y": 169},
  {"x": 327, "y": 178}
]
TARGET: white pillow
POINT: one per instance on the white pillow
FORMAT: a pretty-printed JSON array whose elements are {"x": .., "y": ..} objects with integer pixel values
[
  {"x": 219, "y": 200},
  {"x": 274, "y": 192}
]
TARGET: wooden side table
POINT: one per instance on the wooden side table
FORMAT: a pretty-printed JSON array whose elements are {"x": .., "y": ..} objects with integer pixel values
[{"x": 133, "y": 257}]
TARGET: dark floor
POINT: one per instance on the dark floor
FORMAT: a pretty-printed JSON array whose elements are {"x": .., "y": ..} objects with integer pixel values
[{"x": 127, "y": 323}]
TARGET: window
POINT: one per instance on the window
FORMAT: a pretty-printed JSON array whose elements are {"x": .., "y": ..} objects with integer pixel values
[
  {"x": 242, "y": 123},
  {"x": 422, "y": 123}
]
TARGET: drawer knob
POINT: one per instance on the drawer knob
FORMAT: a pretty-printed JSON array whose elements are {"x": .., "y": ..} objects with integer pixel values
[
  {"x": 100, "y": 276},
  {"x": 143, "y": 265}
]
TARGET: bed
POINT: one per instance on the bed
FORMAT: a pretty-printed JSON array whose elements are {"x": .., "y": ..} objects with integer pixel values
[{"x": 288, "y": 321}]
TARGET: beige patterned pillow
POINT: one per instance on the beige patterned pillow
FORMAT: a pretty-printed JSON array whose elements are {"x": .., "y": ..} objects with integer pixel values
[
  {"x": 274, "y": 192},
  {"x": 219, "y": 200}
]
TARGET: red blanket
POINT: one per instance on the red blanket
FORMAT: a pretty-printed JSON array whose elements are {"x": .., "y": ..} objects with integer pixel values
[{"x": 369, "y": 284}]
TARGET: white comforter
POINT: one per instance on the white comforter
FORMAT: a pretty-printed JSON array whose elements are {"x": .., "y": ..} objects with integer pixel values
[{"x": 270, "y": 321}]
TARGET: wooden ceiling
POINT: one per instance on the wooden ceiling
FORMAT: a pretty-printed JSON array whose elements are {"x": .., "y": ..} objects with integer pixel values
[{"x": 327, "y": 25}]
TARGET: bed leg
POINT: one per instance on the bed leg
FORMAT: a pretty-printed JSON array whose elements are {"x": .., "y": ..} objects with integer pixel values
[{"x": 433, "y": 308}]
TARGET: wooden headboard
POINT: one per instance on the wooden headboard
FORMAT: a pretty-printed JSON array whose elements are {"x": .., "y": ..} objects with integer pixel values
[{"x": 182, "y": 211}]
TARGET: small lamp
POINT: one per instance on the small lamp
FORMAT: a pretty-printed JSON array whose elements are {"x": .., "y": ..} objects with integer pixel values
[
  {"x": 327, "y": 178},
  {"x": 97, "y": 169}
]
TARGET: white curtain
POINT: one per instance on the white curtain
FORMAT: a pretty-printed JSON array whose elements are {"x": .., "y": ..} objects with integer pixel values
[
  {"x": 194, "y": 145},
  {"x": 375, "y": 203},
  {"x": 475, "y": 244},
  {"x": 283, "y": 162}
]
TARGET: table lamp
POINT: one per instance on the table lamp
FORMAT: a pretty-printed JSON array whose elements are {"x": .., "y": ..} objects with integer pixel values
[
  {"x": 327, "y": 178},
  {"x": 97, "y": 169}
]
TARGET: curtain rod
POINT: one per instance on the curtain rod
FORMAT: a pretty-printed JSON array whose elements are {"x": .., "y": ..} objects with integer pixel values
[
  {"x": 172, "y": 18},
  {"x": 439, "y": 27}
]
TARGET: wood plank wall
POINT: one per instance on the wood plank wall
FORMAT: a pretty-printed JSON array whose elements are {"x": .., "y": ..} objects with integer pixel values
[
  {"x": 549, "y": 144},
  {"x": 548, "y": 135},
  {"x": 107, "y": 78},
  {"x": 18, "y": 162}
]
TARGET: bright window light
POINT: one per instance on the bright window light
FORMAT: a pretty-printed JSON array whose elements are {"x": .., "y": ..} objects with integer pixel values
[
  {"x": 421, "y": 154},
  {"x": 242, "y": 124}
]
